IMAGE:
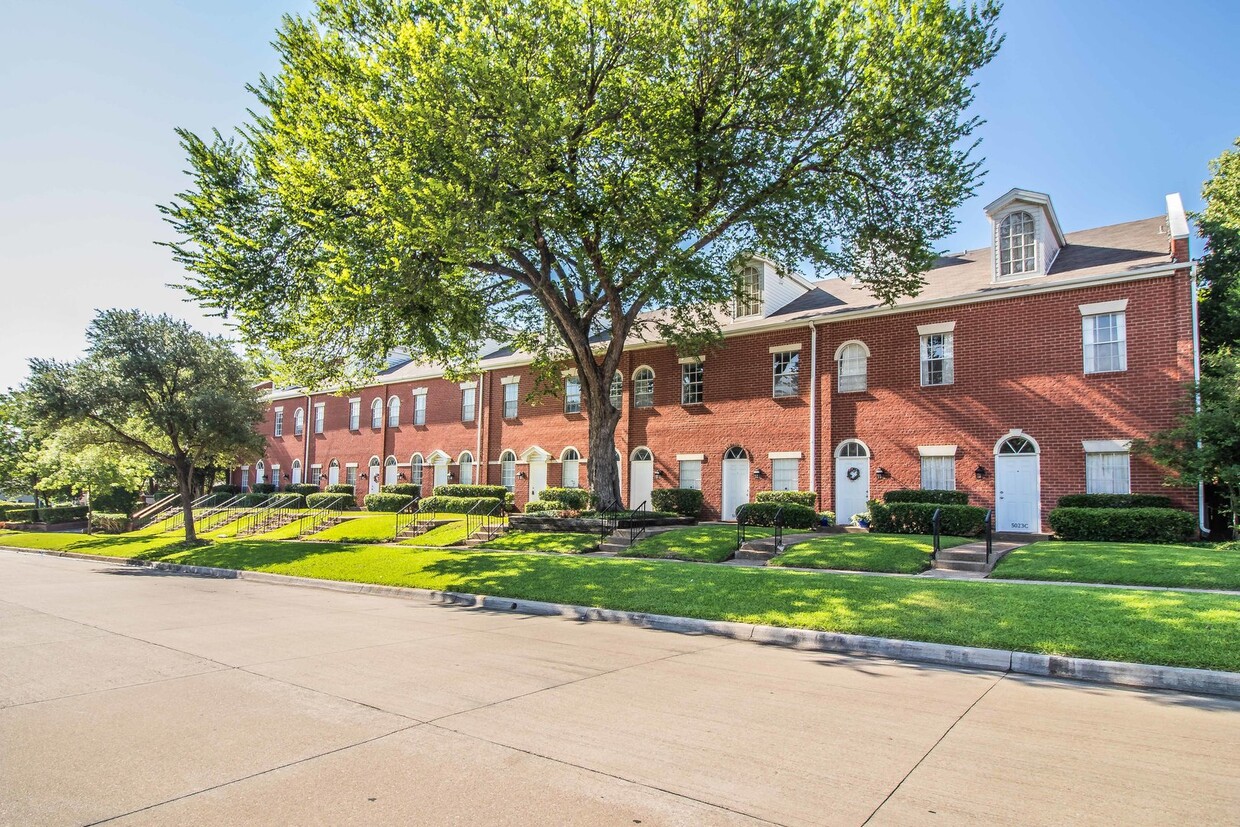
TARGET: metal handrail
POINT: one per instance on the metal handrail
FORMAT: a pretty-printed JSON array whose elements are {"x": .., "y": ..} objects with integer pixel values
[
  {"x": 157, "y": 507},
  {"x": 936, "y": 521},
  {"x": 779, "y": 528},
  {"x": 405, "y": 515},
  {"x": 309, "y": 523},
  {"x": 989, "y": 538},
  {"x": 207, "y": 518},
  {"x": 177, "y": 520},
  {"x": 634, "y": 533},
  {"x": 276, "y": 507},
  {"x": 484, "y": 520},
  {"x": 740, "y": 525},
  {"x": 608, "y": 518}
]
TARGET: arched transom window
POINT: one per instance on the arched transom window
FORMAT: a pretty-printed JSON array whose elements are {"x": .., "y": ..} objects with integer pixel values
[
  {"x": 1017, "y": 244},
  {"x": 852, "y": 448},
  {"x": 570, "y": 465},
  {"x": 1018, "y": 445},
  {"x": 736, "y": 452},
  {"x": 852, "y": 360},
  {"x": 415, "y": 469},
  {"x": 643, "y": 455},
  {"x": 393, "y": 411},
  {"x": 466, "y": 463}
]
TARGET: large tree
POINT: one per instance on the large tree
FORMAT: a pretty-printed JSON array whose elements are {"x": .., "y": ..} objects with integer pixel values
[
  {"x": 1218, "y": 224},
  {"x": 427, "y": 175},
  {"x": 154, "y": 386}
]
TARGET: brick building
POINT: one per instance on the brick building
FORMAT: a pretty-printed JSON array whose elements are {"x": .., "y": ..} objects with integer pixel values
[{"x": 1020, "y": 373}]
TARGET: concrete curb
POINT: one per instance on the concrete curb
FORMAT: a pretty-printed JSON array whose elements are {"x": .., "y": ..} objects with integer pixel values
[{"x": 1115, "y": 673}]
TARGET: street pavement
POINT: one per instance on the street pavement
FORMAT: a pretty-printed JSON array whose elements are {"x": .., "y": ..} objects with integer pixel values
[{"x": 136, "y": 697}]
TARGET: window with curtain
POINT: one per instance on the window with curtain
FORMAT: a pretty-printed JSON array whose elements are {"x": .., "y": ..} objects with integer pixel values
[
  {"x": 279, "y": 429},
  {"x": 468, "y": 397},
  {"x": 508, "y": 470},
  {"x": 355, "y": 414},
  {"x": 572, "y": 395},
  {"x": 299, "y": 422},
  {"x": 1104, "y": 341},
  {"x": 571, "y": 468},
  {"x": 643, "y": 388},
  {"x": 1107, "y": 473},
  {"x": 852, "y": 368},
  {"x": 419, "y": 409},
  {"x": 938, "y": 473},
  {"x": 691, "y": 474},
  {"x": 376, "y": 414},
  {"x": 394, "y": 412}
]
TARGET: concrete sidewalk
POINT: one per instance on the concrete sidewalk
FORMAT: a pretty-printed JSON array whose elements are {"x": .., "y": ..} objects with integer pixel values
[{"x": 154, "y": 698}]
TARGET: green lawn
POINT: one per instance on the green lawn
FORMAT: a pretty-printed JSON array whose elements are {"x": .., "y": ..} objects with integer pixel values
[
  {"x": 373, "y": 528},
  {"x": 1136, "y": 564},
  {"x": 899, "y": 553},
  {"x": 452, "y": 534},
  {"x": 1177, "y": 628},
  {"x": 562, "y": 542},
  {"x": 699, "y": 544}
]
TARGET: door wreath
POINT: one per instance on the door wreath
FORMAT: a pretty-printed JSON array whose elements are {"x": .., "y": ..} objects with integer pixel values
[{"x": 854, "y": 473}]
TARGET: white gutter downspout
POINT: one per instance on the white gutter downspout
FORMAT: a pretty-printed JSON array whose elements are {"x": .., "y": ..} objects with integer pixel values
[
  {"x": 480, "y": 462},
  {"x": 1201, "y": 486},
  {"x": 307, "y": 428},
  {"x": 813, "y": 407}
]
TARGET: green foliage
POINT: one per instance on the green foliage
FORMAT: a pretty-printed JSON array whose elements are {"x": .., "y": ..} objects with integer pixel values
[
  {"x": 496, "y": 491},
  {"x": 894, "y": 553},
  {"x": 1219, "y": 270},
  {"x": 263, "y": 488},
  {"x": 1197, "y": 566},
  {"x": 539, "y": 506},
  {"x": 341, "y": 488},
  {"x": 104, "y": 523},
  {"x": 457, "y": 505},
  {"x": 918, "y": 518},
  {"x": 407, "y": 489},
  {"x": 386, "y": 502},
  {"x": 114, "y": 500},
  {"x": 575, "y": 499},
  {"x": 917, "y": 495},
  {"x": 826, "y": 518},
  {"x": 794, "y": 515},
  {"x": 20, "y": 513},
  {"x": 329, "y": 499},
  {"x": 231, "y": 490},
  {"x": 1135, "y": 525},
  {"x": 61, "y": 514},
  {"x": 1114, "y": 501},
  {"x": 808, "y": 499},
  {"x": 253, "y": 499},
  {"x": 558, "y": 542},
  {"x": 701, "y": 544},
  {"x": 303, "y": 488},
  {"x": 686, "y": 502}
]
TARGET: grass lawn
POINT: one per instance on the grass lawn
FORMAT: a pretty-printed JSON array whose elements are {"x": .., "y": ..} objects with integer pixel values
[
  {"x": 372, "y": 528},
  {"x": 1136, "y": 564},
  {"x": 1177, "y": 628},
  {"x": 699, "y": 544},
  {"x": 562, "y": 542},
  {"x": 899, "y": 553}
]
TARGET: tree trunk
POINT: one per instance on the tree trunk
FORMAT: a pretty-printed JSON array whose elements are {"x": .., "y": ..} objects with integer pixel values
[
  {"x": 601, "y": 468},
  {"x": 185, "y": 484}
]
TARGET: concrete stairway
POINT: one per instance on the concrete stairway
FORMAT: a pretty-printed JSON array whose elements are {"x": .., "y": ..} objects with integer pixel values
[
  {"x": 484, "y": 535},
  {"x": 618, "y": 540},
  {"x": 970, "y": 559},
  {"x": 414, "y": 529}
]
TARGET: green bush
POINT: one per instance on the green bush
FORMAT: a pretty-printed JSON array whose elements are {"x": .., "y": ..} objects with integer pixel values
[
  {"x": 387, "y": 502},
  {"x": 406, "y": 488},
  {"x": 114, "y": 500},
  {"x": 1115, "y": 501},
  {"x": 794, "y": 515},
  {"x": 930, "y": 495},
  {"x": 303, "y": 488},
  {"x": 230, "y": 490},
  {"x": 918, "y": 518},
  {"x": 510, "y": 502},
  {"x": 341, "y": 488},
  {"x": 21, "y": 513},
  {"x": 457, "y": 505},
  {"x": 253, "y": 499},
  {"x": 539, "y": 506},
  {"x": 687, "y": 502},
  {"x": 102, "y": 522},
  {"x": 263, "y": 488},
  {"x": 809, "y": 499},
  {"x": 62, "y": 514},
  {"x": 327, "y": 499},
  {"x": 1128, "y": 525},
  {"x": 471, "y": 491},
  {"x": 576, "y": 499},
  {"x": 826, "y": 518}
]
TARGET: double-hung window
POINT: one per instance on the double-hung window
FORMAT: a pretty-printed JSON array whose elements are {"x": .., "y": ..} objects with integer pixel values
[
  {"x": 938, "y": 361},
  {"x": 318, "y": 417},
  {"x": 394, "y": 412},
  {"x": 938, "y": 473},
  {"x": 469, "y": 395},
  {"x": 279, "y": 429},
  {"x": 1104, "y": 340},
  {"x": 643, "y": 388},
  {"x": 376, "y": 414},
  {"x": 572, "y": 395},
  {"x": 316, "y": 474},
  {"x": 510, "y": 400},
  {"x": 355, "y": 414},
  {"x": 419, "y": 408},
  {"x": 691, "y": 474},
  {"x": 852, "y": 364},
  {"x": 350, "y": 474},
  {"x": 785, "y": 473},
  {"x": 691, "y": 382},
  {"x": 785, "y": 374},
  {"x": 617, "y": 390},
  {"x": 1107, "y": 468}
]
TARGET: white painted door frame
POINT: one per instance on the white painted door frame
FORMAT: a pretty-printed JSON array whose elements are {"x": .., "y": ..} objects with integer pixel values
[
  {"x": 852, "y": 496},
  {"x": 641, "y": 478},
  {"x": 1018, "y": 488},
  {"x": 735, "y": 487}
]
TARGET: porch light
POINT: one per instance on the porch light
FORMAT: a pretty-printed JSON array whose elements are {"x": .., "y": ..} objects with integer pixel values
[
  {"x": 520, "y": 475},
  {"x": 980, "y": 472},
  {"x": 882, "y": 473},
  {"x": 449, "y": 476},
  {"x": 759, "y": 473},
  {"x": 402, "y": 476},
  {"x": 658, "y": 472}
]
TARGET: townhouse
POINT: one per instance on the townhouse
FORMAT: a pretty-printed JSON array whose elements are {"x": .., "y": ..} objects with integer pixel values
[{"x": 1022, "y": 372}]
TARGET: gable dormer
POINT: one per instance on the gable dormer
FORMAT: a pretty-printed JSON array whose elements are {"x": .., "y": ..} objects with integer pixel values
[
  {"x": 1025, "y": 235},
  {"x": 765, "y": 288}
]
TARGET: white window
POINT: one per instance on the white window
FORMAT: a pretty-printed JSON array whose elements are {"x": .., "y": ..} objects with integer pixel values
[
  {"x": 245, "y": 479},
  {"x": 394, "y": 412},
  {"x": 691, "y": 474},
  {"x": 275, "y": 475},
  {"x": 572, "y": 395},
  {"x": 617, "y": 390},
  {"x": 691, "y": 383},
  {"x": 333, "y": 472},
  {"x": 419, "y": 408},
  {"x": 570, "y": 462},
  {"x": 852, "y": 366},
  {"x": 785, "y": 374},
  {"x": 376, "y": 413},
  {"x": 299, "y": 422},
  {"x": 643, "y": 388},
  {"x": 508, "y": 470},
  {"x": 279, "y": 431},
  {"x": 415, "y": 470},
  {"x": 316, "y": 474},
  {"x": 937, "y": 359},
  {"x": 938, "y": 473},
  {"x": 350, "y": 475},
  {"x": 466, "y": 463},
  {"x": 749, "y": 302},
  {"x": 318, "y": 417},
  {"x": 1017, "y": 244},
  {"x": 1105, "y": 343},
  {"x": 296, "y": 472},
  {"x": 510, "y": 400},
  {"x": 1107, "y": 468},
  {"x": 785, "y": 473},
  {"x": 468, "y": 395},
  {"x": 391, "y": 471},
  {"x": 355, "y": 414}
]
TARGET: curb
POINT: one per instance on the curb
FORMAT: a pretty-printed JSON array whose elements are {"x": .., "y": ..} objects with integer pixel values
[{"x": 1114, "y": 673}]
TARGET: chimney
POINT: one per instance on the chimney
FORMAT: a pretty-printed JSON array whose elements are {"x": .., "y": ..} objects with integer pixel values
[{"x": 1177, "y": 228}]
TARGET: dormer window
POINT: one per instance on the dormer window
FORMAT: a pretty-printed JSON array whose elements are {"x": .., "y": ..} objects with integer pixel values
[
  {"x": 749, "y": 302},
  {"x": 1017, "y": 244}
]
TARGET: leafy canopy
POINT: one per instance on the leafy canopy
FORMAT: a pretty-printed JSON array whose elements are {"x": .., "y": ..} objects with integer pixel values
[{"x": 1219, "y": 271}]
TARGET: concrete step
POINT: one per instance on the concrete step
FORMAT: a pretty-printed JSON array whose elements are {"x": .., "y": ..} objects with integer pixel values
[
  {"x": 961, "y": 565},
  {"x": 613, "y": 548},
  {"x": 1014, "y": 537},
  {"x": 969, "y": 556},
  {"x": 747, "y": 553}
]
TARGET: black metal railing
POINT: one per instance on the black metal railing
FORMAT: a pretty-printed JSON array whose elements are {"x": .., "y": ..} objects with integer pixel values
[
  {"x": 278, "y": 510},
  {"x": 330, "y": 509},
  {"x": 608, "y": 519},
  {"x": 160, "y": 509},
  {"x": 779, "y": 529},
  {"x": 989, "y": 538},
  {"x": 636, "y": 533},
  {"x": 742, "y": 521},
  {"x": 177, "y": 520},
  {"x": 482, "y": 518},
  {"x": 405, "y": 516},
  {"x": 741, "y": 513},
  {"x": 220, "y": 513},
  {"x": 936, "y": 523}
]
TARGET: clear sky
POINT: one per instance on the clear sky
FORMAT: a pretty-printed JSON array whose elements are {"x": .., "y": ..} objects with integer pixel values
[{"x": 1107, "y": 106}]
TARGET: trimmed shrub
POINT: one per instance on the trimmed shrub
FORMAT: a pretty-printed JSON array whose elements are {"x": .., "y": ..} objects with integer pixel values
[
  {"x": 1115, "y": 501},
  {"x": 303, "y": 488},
  {"x": 794, "y": 515},
  {"x": 457, "y": 505},
  {"x": 340, "y": 488},
  {"x": 263, "y": 488},
  {"x": 1129, "y": 525},
  {"x": 252, "y": 500},
  {"x": 918, "y": 518},
  {"x": 22, "y": 513},
  {"x": 809, "y": 499},
  {"x": 687, "y": 502},
  {"x": 406, "y": 488},
  {"x": 510, "y": 502},
  {"x": 471, "y": 491},
  {"x": 539, "y": 506},
  {"x": 344, "y": 502},
  {"x": 103, "y": 523},
  {"x": 62, "y": 514},
  {"x": 920, "y": 495},
  {"x": 576, "y": 499},
  {"x": 114, "y": 500},
  {"x": 230, "y": 490},
  {"x": 386, "y": 502}
]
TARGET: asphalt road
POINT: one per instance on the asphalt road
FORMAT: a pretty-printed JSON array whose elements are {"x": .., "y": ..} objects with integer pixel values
[{"x": 130, "y": 696}]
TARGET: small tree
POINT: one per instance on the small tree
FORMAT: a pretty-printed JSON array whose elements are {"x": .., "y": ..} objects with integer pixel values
[
  {"x": 154, "y": 386},
  {"x": 72, "y": 460}
]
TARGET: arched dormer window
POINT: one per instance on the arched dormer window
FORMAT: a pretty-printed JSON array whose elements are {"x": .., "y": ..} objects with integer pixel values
[
  {"x": 852, "y": 361},
  {"x": 643, "y": 388},
  {"x": 376, "y": 413},
  {"x": 394, "y": 412},
  {"x": 1017, "y": 244}
]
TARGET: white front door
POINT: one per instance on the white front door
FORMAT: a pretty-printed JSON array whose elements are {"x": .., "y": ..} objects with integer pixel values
[
  {"x": 296, "y": 475},
  {"x": 374, "y": 480},
  {"x": 538, "y": 477},
  {"x": 333, "y": 475},
  {"x": 735, "y": 486},
  {"x": 441, "y": 473},
  {"x": 1016, "y": 493},
  {"x": 641, "y": 482},
  {"x": 852, "y": 488},
  {"x": 389, "y": 474}
]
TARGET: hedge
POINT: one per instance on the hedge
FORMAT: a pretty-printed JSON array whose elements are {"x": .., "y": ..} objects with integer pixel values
[
  {"x": 918, "y": 518},
  {"x": 105, "y": 523},
  {"x": 340, "y": 488},
  {"x": 230, "y": 490},
  {"x": 539, "y": 506},
  {"x": 471, "y": 491},
  {"x": 406, "y": 488},
  {"x": 114, "y": 500},
  {"x": 18, "y": 514},
  {"x": 1115, "y": 501},
  {"x": 327, "y": 498},
  {"x": 1129, "y": 525},
  {"x": 303, "y": 488},
  {"x": 457, "y": 505},
  {"x": 386, "y": 502},
  {"x": 263, "y": 488},
  {"x": 62, "y": 514},
  {"x": 927, "y": 495},
  {"x": 794, "y": 515},
  {"x": 254, "y": 499},
  {"x": 686, "y": 502},
  {"x": 809, "y": 499},
  {"x": 575, "y": 499}
]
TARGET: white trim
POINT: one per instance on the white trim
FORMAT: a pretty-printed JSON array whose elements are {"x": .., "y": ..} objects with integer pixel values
[
  {"x": 1106, "y": 446},
  {"x": 932, "y": 329},
  {"x": 784, "y": 455},
  {"x": 564, "y": 374},
  {"x": 316, "y": 465},
  {"x": 691, "y": 360},
  {"x": 784, "y": 348},
  {"x": 1017, "y": 432},
  {"x": 639, "y": 368},
  {"x": 864, "y": 347},
  {"x": 468, "y": 386},
  {"x": 320, "y": 404},
  {"x": 868, "y": 453},
  {"x": 1098, "y": 308},
  {"x": 280, "y": 409},
  {"x": 535, "y": 453},
  {"x": 353, "y": 399},
  {"x": 691, "y": 458},
  {"x": 937, "y": 450},
  {"x": 245, "y": 468},
  {"x": 417, "y": 391},
  {"x": 436, "y": 457},
  {"x": 510, "y": 380},
  {"x": 1177, "y": 221},
  {"x": 641, "y": 448},
  {"x": 350, "y": 465},
  {"x": 1040, "y": 199}
]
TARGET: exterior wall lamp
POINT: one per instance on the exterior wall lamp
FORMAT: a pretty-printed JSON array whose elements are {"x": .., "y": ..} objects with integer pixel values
[
  {"x": 980, "y": 472},
  {"x": 363, "y": 477},
  {"x": 520, "y": 475},
  {"x": 759, "y": 473},
  {"x": 658, "y": 472},
  {"x": 882, "y": 473},
  {"x": 402, "y": 476}
]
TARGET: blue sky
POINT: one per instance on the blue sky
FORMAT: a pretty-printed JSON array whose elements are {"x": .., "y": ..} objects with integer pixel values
[{"x": 1107, "y": 106}]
